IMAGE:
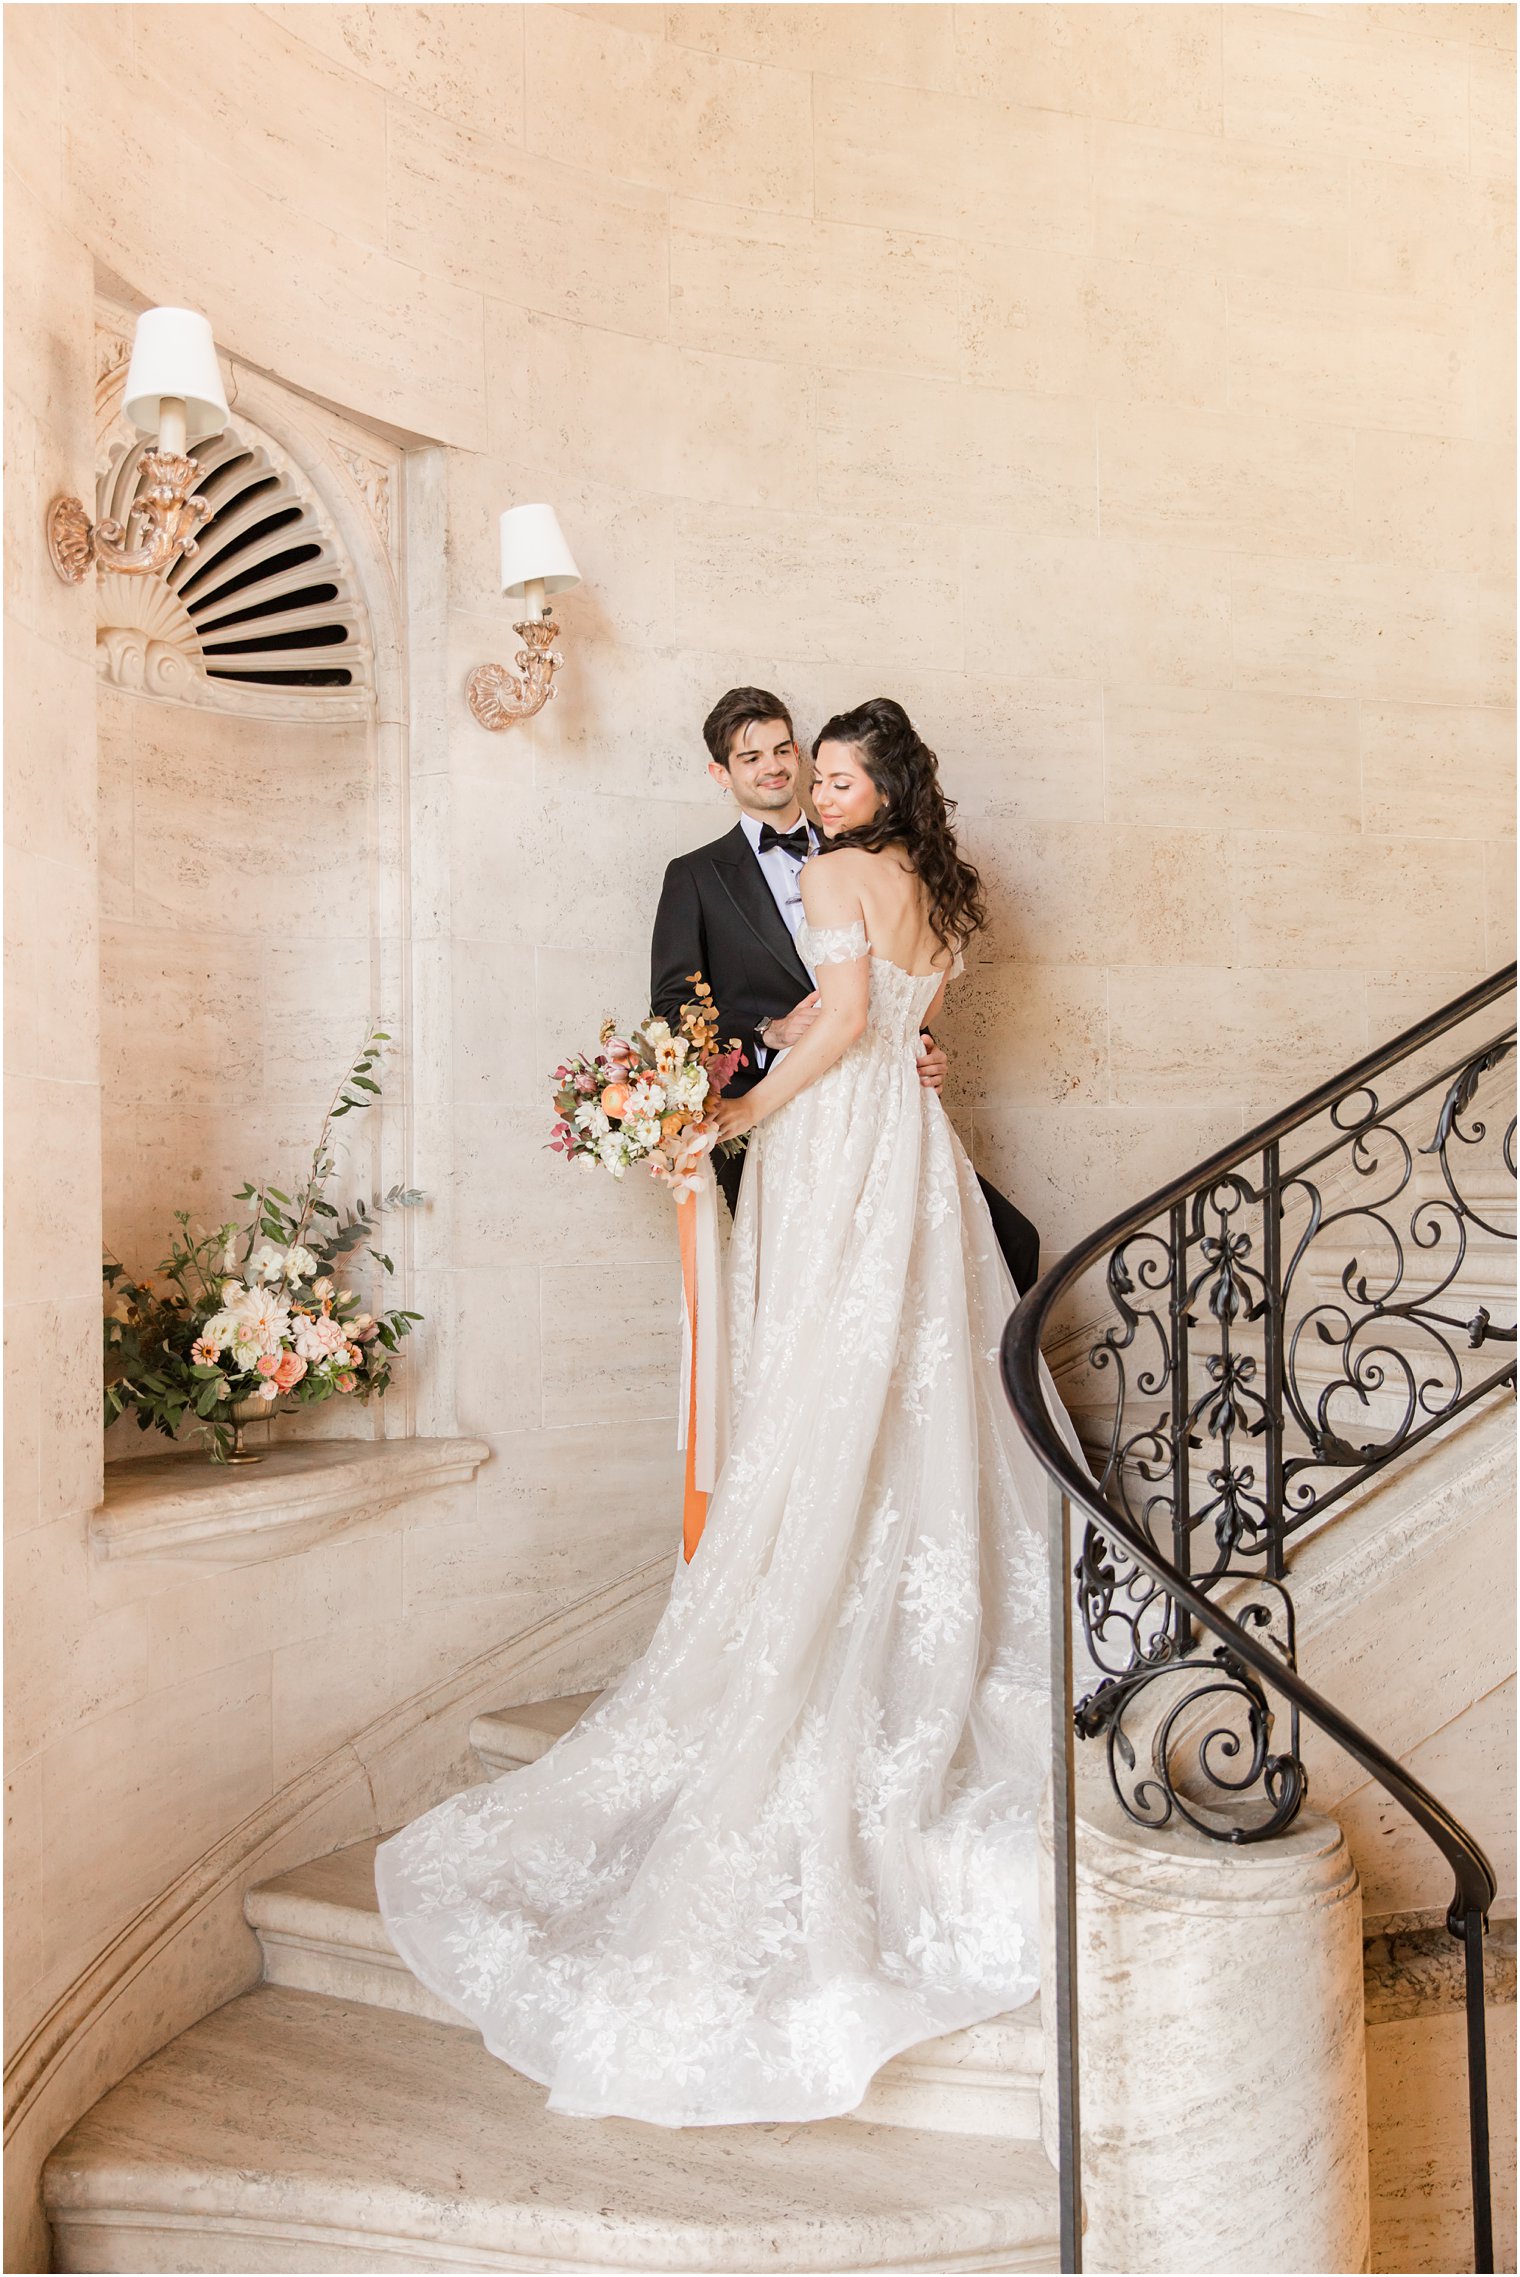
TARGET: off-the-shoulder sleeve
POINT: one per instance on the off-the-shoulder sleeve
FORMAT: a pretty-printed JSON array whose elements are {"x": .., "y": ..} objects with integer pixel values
[{"x": 835, "y": 944}]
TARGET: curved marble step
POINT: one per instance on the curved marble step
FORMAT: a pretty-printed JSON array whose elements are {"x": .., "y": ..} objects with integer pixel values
[
  {"x": 984, "y": 2080},
  {"x": 509, "y": 1737},
  {"x": 294, "y": 2132},
  {"x": 321, "y": 1931}
]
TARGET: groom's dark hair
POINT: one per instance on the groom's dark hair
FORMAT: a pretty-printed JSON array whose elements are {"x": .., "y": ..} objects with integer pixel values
[{"x": 740, "y": 708}]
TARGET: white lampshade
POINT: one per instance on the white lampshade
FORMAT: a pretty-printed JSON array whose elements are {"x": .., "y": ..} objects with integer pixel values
[
  {"x": 533, "y": 551},
  {"x": 173, "y": 353}
]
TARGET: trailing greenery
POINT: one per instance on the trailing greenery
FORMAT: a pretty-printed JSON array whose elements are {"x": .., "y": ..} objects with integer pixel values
[{"x": 254, "y": 1310}]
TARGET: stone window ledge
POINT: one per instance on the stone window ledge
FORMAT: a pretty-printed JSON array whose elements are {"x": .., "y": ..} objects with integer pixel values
[{"x": 182, "y": 1506}]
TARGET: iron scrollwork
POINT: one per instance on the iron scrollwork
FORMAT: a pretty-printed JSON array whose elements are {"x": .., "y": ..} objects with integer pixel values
[{"x": 1276, "y": 1340}]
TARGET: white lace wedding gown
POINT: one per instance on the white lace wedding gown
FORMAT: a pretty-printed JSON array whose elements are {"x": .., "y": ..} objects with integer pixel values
[{"x": 799, "y": 1835}]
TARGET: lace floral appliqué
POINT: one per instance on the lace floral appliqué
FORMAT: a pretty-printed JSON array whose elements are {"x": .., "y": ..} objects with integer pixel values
[{"x": 797, "y": 1836}]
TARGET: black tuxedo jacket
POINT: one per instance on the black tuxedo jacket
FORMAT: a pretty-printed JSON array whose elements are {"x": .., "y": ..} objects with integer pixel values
[{"x": 717, "y": 917}]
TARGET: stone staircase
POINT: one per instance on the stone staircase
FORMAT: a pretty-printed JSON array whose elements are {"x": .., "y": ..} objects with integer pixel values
[{"x": 339, "y": 2117}]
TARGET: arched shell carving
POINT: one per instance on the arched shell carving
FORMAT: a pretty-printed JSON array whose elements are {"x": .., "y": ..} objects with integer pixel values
[
  {"x": 144, "y": 638},
  {"x": 264, "y": 617}
]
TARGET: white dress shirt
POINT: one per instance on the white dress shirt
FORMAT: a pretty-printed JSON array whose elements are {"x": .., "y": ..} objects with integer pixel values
[
  {"x": 782, "y": 871},
  {"x": 783, "y": 874}
]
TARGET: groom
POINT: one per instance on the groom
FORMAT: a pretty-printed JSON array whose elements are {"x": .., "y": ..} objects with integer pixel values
[{"x": 730, "y": 911}]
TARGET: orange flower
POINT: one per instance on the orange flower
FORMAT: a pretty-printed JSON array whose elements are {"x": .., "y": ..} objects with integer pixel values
[
  {"x": 615, "y": 1101},
  {"x": 670, "y": 1124}
]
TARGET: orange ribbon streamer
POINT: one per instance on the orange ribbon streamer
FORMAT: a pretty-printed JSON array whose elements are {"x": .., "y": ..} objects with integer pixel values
[{"x": 694, "y": 1501}]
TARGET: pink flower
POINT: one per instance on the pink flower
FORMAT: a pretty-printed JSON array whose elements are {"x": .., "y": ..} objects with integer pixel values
[
  {"x": 268, "y": 1389},
  {"x": 268, "y": 1364},
  {"x": 206, "y": 1351},
  {"x": 290, "y": 1371},
  {"x": 347, "y": 1383},
  {"x": 720, "y": 1069}
]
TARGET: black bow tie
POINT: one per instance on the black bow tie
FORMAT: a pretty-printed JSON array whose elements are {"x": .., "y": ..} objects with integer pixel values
[{"x": 794, "y": 842}]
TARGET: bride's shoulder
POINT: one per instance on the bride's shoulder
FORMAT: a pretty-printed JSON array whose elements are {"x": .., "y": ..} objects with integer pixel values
[{"x": 832, "y": 882}]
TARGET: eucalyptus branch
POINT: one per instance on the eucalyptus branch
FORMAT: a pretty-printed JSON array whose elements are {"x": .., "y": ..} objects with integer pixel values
[
  {"x": 341, "y": 1103},
  {"x": 256, "y": 1222},
  {"x": 188, "y": 1253}
]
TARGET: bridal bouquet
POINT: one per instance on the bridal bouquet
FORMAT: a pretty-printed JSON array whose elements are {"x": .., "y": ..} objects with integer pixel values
[
  {"x": 249, "y": 1312},
  {"x": 643, "y": 1097}
]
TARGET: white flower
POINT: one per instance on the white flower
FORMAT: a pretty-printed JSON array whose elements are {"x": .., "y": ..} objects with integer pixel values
[
  {"x": 586, "y": 1162},
  {"x": 259, "y": 1321},
  {"x": 646, "y": 1098},
  {"x": 643, "y": 1130},
  {"x": 613, "y": 1151},
  {"x": 591, "y": 1119},
  {"x": 658, "y": 1031},
  {"x": 322, "y": 1288},
  {"x": 271, "y": 1264}
]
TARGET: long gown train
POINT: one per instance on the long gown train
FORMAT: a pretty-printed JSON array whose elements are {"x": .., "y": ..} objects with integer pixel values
[{"x": 799, "y": 1834}]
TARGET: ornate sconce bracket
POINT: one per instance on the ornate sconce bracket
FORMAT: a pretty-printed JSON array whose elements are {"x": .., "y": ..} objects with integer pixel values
[
  {"x": 169, "y": 516},
  {"x": 71, "y": 539},
  {"x": 498, "y": 697}
]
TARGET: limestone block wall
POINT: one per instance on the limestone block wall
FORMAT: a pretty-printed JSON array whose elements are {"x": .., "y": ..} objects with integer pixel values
[
  {"x": 1127, "y": 390},
  {"x": 52, "y": 1207},
  {"x": 237, "y": 976}
]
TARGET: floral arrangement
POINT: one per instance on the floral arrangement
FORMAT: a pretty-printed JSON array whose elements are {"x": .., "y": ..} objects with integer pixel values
[
  {"x": 249, "y": 1312},
  {"x": 643, "y": 1097}
]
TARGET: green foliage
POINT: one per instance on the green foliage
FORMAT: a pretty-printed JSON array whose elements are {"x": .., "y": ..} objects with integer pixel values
[{"x": 157, "y": 1365}]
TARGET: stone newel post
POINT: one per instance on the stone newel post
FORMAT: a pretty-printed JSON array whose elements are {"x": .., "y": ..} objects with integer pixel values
[{"x": 1223, "y": 2080}]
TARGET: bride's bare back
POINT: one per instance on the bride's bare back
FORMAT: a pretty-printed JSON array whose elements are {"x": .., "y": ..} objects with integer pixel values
[{"x": 894, "y": 904}]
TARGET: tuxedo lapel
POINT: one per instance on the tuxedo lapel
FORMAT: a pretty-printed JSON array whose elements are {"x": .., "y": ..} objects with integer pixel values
[{"x": 743, "y": 881}]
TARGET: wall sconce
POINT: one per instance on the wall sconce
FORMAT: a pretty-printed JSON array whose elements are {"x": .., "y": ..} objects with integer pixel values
[
  {"x": 535, "y": 562},
  {"x": 174, "y": 393}
]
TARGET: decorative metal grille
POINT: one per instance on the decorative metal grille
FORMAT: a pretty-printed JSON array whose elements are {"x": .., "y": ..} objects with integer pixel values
[
  {"x": 1281, "y": 1334},
  {"x": 266, "y": 602}
]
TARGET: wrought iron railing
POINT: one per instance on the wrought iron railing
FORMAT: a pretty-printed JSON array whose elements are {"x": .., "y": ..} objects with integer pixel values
[{"x": 1281, "y": 1324}]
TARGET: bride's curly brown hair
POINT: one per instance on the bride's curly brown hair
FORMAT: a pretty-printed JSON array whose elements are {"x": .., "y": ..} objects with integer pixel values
[{"x": 914, "y": 813}]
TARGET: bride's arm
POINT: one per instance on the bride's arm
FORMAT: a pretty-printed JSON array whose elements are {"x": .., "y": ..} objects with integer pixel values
[{"x": 844, "y": 992}]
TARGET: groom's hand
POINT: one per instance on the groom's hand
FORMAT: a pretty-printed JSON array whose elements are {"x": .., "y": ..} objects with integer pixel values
[
  {"x": 934, "y": 1065},
  {"x": 779, "y": 1035}
]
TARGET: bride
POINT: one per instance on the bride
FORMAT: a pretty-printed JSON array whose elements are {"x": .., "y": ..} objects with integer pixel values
[{"x": 799, "y": 1835}]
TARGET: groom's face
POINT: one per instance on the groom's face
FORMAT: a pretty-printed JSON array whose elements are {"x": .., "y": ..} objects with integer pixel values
[{"x": 763, "y": 764}]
